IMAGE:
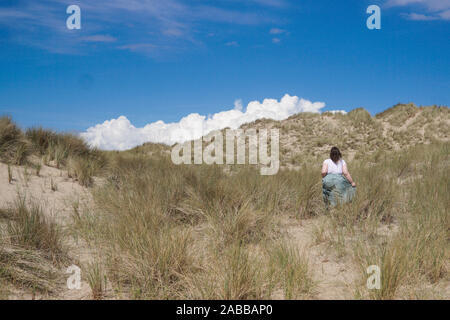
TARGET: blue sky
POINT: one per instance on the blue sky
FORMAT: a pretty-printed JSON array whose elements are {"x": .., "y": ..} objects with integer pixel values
[{"x": 162, "y": 60}]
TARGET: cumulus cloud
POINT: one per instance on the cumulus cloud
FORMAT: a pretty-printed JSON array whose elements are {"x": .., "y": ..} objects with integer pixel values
[
  {"x": 238, "y": 104},
  {"x": 337, "y": 111},
  {"x": 120, "y": 134}
]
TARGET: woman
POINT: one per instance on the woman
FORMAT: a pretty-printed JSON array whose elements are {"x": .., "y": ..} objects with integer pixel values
[{"x": 337, "y": 183}]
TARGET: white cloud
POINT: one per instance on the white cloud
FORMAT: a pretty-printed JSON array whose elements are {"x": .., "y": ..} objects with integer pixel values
[
  {"x": 337, "y": 111},
  {"x": 435, "y": 9},
  {"x": 238, "y": 105},
  {"x": 169, "y": 24},
  {"x": 433, "y": 5},
  {"x": 120, "y": 134},
  {"x": 232, "y": 44},
  {"x": 277, "y": 31},
  {"x": 445, "y": 15},
  {"x": 277, "y": 34},
  {"x": 419, "y": 17},
  {"x": 174, "y": 32},
  {"x": 99, "y": 38},
  {"x": 138, "y": 46}
]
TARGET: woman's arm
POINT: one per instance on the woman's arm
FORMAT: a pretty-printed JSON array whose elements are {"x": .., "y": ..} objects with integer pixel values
[
  {"x": 347, "y": 175},
  {"x": 324, "y": 169}
]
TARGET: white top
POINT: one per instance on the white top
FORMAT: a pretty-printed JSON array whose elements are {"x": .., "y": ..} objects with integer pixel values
[{"x": 334, "y": 168}]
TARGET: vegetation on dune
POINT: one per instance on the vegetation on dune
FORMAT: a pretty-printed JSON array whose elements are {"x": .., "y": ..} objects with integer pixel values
[
  {"x": 307, "y": 137},
  {"x": 28, "y": 227},
  {"x": 27, "y": 269},
  {"x": 171, "y": 231},
  {"x": 31, "y": 248},
  {"x": 164, "y": 231},
  {"x": 407, "y": 192},
  {"x": 61, "y": 150},
  {"x": 14, "y": 148},
  {"x": 152, "y": 213}
]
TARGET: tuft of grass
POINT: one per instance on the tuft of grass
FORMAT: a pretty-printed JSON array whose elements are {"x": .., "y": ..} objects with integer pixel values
[
  {"x": 41, "y": 139},
  {"x": 241, "y": 277},
  {"x": 150, "y": 264},
  {"x": 28, "y": 227},
  {"x": 10, "y": 175},
  {"x": 392, "y": 261},
  {"x": 292, "y": 271},
  {"x": 28, "y": 269},
  {"x": 62, "y": 147},
  {"x": 31, "y": 251},
  {"x": 82, "y": 170},
  {"x": 26, "y": 176},
  {"x": 14, "y": 148},
  {"x": 96, "y": 279},
  {"x": 38, "y": 168}
]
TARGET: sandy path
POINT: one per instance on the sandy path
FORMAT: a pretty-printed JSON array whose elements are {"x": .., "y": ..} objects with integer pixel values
[{"x": 335, "y": 277}]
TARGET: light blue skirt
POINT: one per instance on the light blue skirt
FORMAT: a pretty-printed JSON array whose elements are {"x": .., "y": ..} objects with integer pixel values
[{"x": 336, "y": 189}]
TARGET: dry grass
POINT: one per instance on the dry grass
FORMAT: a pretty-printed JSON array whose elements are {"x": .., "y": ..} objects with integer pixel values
[
  {"x": 27, "y": 269},
  {"x": 414, "y": 199},
  {"x": 10, "y": 174},
  {"x": 152, "y": 215},
  {"x": 82, "y": 170},
  {"x": 62, "y": 150},
  {"x": 216, "y": 232},
  {"x": 306, "y": 137},
  {"x": 14, "y": 148},
  {"x": 28, "y": 227},
  {"x": 31, "y": 249},
  {"x": 96, "y": 279},
  {"x": 292, "y": 270},
  {"x": 148, "y": 217}
]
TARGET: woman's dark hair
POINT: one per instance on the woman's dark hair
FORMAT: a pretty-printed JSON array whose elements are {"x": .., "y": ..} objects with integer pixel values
[{"x": 335, "y": 154}]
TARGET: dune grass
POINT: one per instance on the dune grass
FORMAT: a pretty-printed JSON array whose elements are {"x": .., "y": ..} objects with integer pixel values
[
  {"x": 14, "y": 148},
  {"x": 291, "y": 268},
  {"x": 31, "y": 249},
  {"x": 410, "y": 198},
  {"x": 27, "y": 269},
  {"x": 61, "y": 150},
  {"x": 151, "y": 214},
  {"x": 96, "y": 279},
  {"x": 28, "y": 227},
  {"x": 216, "y": 232}
]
